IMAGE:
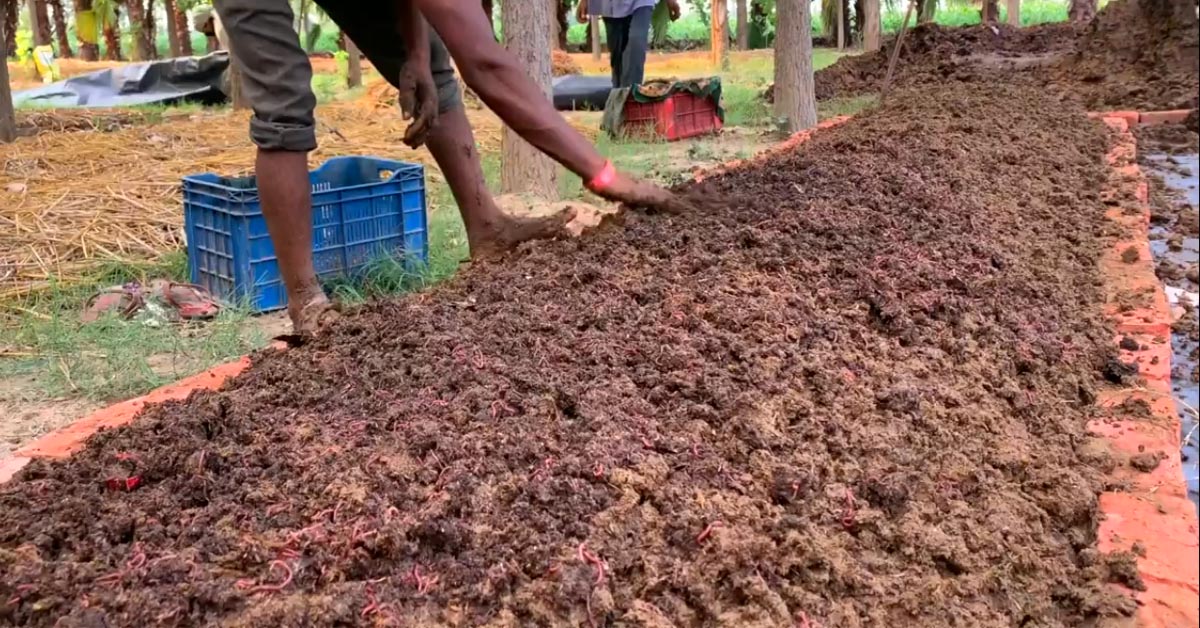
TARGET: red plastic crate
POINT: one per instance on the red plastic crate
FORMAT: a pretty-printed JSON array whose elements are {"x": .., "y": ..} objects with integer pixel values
[{"x": 680, "y": 115}]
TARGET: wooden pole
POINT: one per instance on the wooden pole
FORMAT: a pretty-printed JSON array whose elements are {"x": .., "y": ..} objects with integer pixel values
[
  {"x": 841, "y": 24},
  {"x": 8, "y": 119},
  {"x": 871, "y": 25},
  {"x": 594, "y": 24},
  {"x": 236, "y": 96},
  {"x": 743, "y": 29},
  {"x": 1014, "y": 12},
  {"x": 887, "y": 80},
  {"x": 38, "y": 29},
  {"x": 719, "y": 34},
  {"x": 173, "y": 42},
  {"x": 353, "y": 64}
]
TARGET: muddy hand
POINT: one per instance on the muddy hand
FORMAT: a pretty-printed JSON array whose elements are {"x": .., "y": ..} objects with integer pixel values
[
  {"x": 418, "y": 101},
  {"x": 639, "y": 193}
]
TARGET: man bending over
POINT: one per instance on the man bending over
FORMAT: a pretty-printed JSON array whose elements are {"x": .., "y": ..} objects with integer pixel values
[{"x": 396, "y": 38}]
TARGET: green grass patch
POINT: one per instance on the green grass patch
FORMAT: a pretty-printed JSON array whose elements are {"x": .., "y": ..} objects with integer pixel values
[
  {"x": 114, "y": 358},
  {"x": 845, "y": 106},
  {"x": 743, "y": 87}
]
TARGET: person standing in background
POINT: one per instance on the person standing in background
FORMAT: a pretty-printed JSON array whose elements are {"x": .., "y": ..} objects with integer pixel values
[{"x": 627, "y": 28}]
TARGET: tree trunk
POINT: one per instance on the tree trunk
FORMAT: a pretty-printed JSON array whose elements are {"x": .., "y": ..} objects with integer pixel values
[
  {"x": 1081, "y": 11},
  {"x": 61, "y": 36},
  {"x": 743, "y": 31},
  {"x": 1013, "y": 8},
  {"x": 926, "y": 11},
  {"x": 173, "y": 43},
  {"x": 88, "y": 50},
  {"x": 353, "y": 64},
  {"x": 795, "y": 101},
  {"x": 989, "y": 13},
  {"x": 561, "y": 24},
  {"x": 182, "y": 32},
  {"x": 8, "y": 119},
  {"x": 142, "y": 44},
  {"x": 39, "y": 22},
  {"x": 236, "y": 94},
  {"x": 594, "y": 36},
  {"x": 9, "y": 14},
  {"x": 526, "y": 26},
  {"x": 841, "y": 24},
  {"x": 856, "y": 24},
  {"x": 112, "y": 36},
  {"x": 871, "y": 25},
  {"x": 719, "y": 34},
  {"x": 150, "y": 29}
]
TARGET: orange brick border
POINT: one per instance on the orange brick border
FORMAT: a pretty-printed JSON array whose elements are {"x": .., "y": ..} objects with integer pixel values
[
  {"x": 1154, "y": 512},
  {"x": 1146, "y": 118}
]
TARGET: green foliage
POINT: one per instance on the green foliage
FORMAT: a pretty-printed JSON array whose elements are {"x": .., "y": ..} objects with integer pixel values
[
  {"x": 342, "y": 59},
  {"x": 694, "y": 25},
  {"x": 965, "y": 13},
  {"x": 660, "y": 24},
  {"x": 327, "y": 42},
  {"x": 114, "y": 358},
  {"x": 106, "y": 12}
]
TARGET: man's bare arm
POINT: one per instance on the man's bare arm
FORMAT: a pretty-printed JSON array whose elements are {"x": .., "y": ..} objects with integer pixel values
[
  {"x": 418, "y": 94},
  {"x": 505, "y": 86},
  {"x": 414, "y": 30}
]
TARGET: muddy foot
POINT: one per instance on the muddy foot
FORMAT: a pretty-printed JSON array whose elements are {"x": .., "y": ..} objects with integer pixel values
[
  {"x": 310, "y": 319},
  {"x": 513, "y": 231}
]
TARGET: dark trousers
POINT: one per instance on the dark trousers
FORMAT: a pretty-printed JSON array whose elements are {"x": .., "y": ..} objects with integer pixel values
[{"x": 628, "y": 40}]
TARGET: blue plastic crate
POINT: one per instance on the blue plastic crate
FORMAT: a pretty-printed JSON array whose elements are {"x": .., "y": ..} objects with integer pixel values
[{"x": 364, "y": 208}]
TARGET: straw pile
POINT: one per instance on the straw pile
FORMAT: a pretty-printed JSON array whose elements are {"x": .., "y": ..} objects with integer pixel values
[
  {"x": 73, "y": 203},
  {"x": 561, "y": 64},
  {"x": 65, "y": 120}
]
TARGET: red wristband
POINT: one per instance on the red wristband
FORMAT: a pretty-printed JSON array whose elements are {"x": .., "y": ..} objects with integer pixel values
[{"x": 603, "y": 179}]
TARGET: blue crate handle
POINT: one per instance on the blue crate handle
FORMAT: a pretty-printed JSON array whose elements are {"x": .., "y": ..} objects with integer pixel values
[
  {"x": 366, "y": 169},
  {"x": 363, "y": 170}
]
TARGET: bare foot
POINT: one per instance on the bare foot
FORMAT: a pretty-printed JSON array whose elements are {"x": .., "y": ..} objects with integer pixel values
[
  {"x": 510, "y": 231},
  {"x": 309, "y": 319}
]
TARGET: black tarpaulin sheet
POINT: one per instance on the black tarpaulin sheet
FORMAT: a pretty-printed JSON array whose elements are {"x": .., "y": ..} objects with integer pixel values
[
  {"x": 579, "y": 92},
  {"x": 168, "y": 81}
]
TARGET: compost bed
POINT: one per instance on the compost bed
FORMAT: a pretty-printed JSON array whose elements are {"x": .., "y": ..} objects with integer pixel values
[
  {"x": 1136, "y": 54},
  {"x": 852, "y": 394}
]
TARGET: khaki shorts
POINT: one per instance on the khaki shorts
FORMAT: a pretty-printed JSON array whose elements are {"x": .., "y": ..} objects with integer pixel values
[{"x": 276, "y": 74}]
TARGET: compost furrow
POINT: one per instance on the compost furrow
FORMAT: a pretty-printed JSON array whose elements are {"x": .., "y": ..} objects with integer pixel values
[{"x": 852, "y": 394}]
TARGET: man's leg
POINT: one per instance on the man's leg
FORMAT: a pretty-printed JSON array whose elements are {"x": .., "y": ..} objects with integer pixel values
[
  {"x": 637, "y": 41},
  {"x": 286, "y": 195},
  {"x": 615, "y": 29},
  {"x": 277, "y": 79},
  {"x": 489, "y": 230}
]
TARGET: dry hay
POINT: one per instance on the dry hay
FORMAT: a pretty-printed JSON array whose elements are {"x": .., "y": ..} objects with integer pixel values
[
  {"x": 72, "y": 203},
  {"x": 561, "y": 64},
  {"x": 66, "y": 120}
]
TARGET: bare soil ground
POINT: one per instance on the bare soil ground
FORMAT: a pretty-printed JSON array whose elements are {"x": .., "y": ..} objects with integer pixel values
[{"x": 851, "y": 392}]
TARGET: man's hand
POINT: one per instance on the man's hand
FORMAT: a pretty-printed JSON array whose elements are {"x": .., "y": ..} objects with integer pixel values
[
  {"x": 673, "y": 9},
  {"x": 581, "y": 14},
  {"x": 639, "y": 193},
  {"x": 418, "y": 100}
]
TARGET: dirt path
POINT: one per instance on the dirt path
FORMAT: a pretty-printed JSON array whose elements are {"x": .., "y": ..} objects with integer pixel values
[{"x": 852, "y": 394}]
